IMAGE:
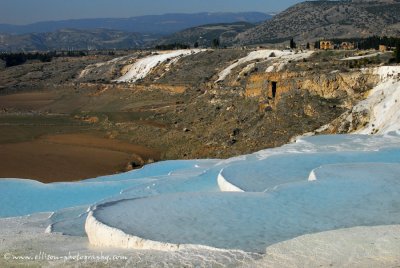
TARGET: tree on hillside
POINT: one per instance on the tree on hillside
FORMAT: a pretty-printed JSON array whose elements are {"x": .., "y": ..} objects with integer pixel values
[
  {"x": 308, "y": 46},
  {"x": 196, "y": 45},
  {"x": 292, "y": 44},
  {"x": 317, "y": 45},
  {"x": 397, "y": 53},
  {"x": 215, "y": 43}
]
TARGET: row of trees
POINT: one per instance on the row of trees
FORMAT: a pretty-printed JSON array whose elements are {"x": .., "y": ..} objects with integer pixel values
[
  {"x": 215, "y": 43},
  {"x": 372, "y": 42},
  {"x": 14, "y": 59},
  {"x": 172, "y": 46},
  {"x": 293, "y": 44}
]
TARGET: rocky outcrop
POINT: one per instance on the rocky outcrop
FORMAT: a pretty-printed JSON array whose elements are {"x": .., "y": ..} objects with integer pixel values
[
  {"x": 378, "y": 112},
  {"x": 337, "y": 85}
]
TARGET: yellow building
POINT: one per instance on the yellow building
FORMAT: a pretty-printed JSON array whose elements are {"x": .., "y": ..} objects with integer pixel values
[
  {"x": 325, "y": 45},
  {"x": 383, "y": 48},
  {"x": 347, "y": 45}
]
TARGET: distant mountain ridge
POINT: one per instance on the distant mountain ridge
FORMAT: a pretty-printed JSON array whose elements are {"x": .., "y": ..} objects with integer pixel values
[
  {"x": 71, "y": 39},
  {"x": 204, "y": 35},
  {"x": 151, "y": 24},
  {"x": 313, "y": 20}
]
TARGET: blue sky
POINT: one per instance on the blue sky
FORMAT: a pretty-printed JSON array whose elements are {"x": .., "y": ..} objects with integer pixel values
[{"x": 28, "y": 11}]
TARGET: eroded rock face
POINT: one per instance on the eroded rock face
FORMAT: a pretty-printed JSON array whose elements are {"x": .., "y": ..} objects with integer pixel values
[
  {"x": 337, "y": 85},
  {"x": 377, "y": 111}
]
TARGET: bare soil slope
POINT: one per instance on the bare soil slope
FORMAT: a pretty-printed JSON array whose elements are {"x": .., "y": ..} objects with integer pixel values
[{"x": 69, "y": 157}]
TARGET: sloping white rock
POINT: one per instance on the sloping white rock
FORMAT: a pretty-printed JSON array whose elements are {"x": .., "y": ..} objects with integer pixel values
[
  {"x": 142, "y": 67},
  {"x": 383, "y": 103}
]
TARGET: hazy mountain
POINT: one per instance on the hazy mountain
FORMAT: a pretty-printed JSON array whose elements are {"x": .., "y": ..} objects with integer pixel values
[
  {"x": 313, "y": 20},
  {"x": 154, "y": 24},
  {"x": 203, "y": 35},
  {"x": 69, "y": 39}
]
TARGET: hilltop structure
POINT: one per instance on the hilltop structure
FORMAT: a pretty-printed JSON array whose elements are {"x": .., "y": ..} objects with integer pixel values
[{"x": 325, "y": 45}]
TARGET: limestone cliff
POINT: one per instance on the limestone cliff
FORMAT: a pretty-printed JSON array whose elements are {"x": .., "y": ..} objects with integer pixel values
[{"x": 348, "y": 86}]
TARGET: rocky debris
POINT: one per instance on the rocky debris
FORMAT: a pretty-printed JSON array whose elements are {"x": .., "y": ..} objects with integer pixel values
[
  {"x": 231, "y": 142},
  {"x": 92, "y": 120},
  {"x": 135, "y": 162},
  {"x": 310, "y": 111},
  {"x": 348, "y": 122},
  {"x": 268, "y": 108},
  {"x": 264, "y": 106},
  {"x": 235, "y": 132},
  {"x": 132, "y": 165}
]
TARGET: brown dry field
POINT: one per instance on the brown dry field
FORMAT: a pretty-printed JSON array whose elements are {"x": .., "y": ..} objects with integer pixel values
[
  {"x": 31, "y": 151},
  {"x": 68, "y": 157},
  {"x": 27, "y": 101}
]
